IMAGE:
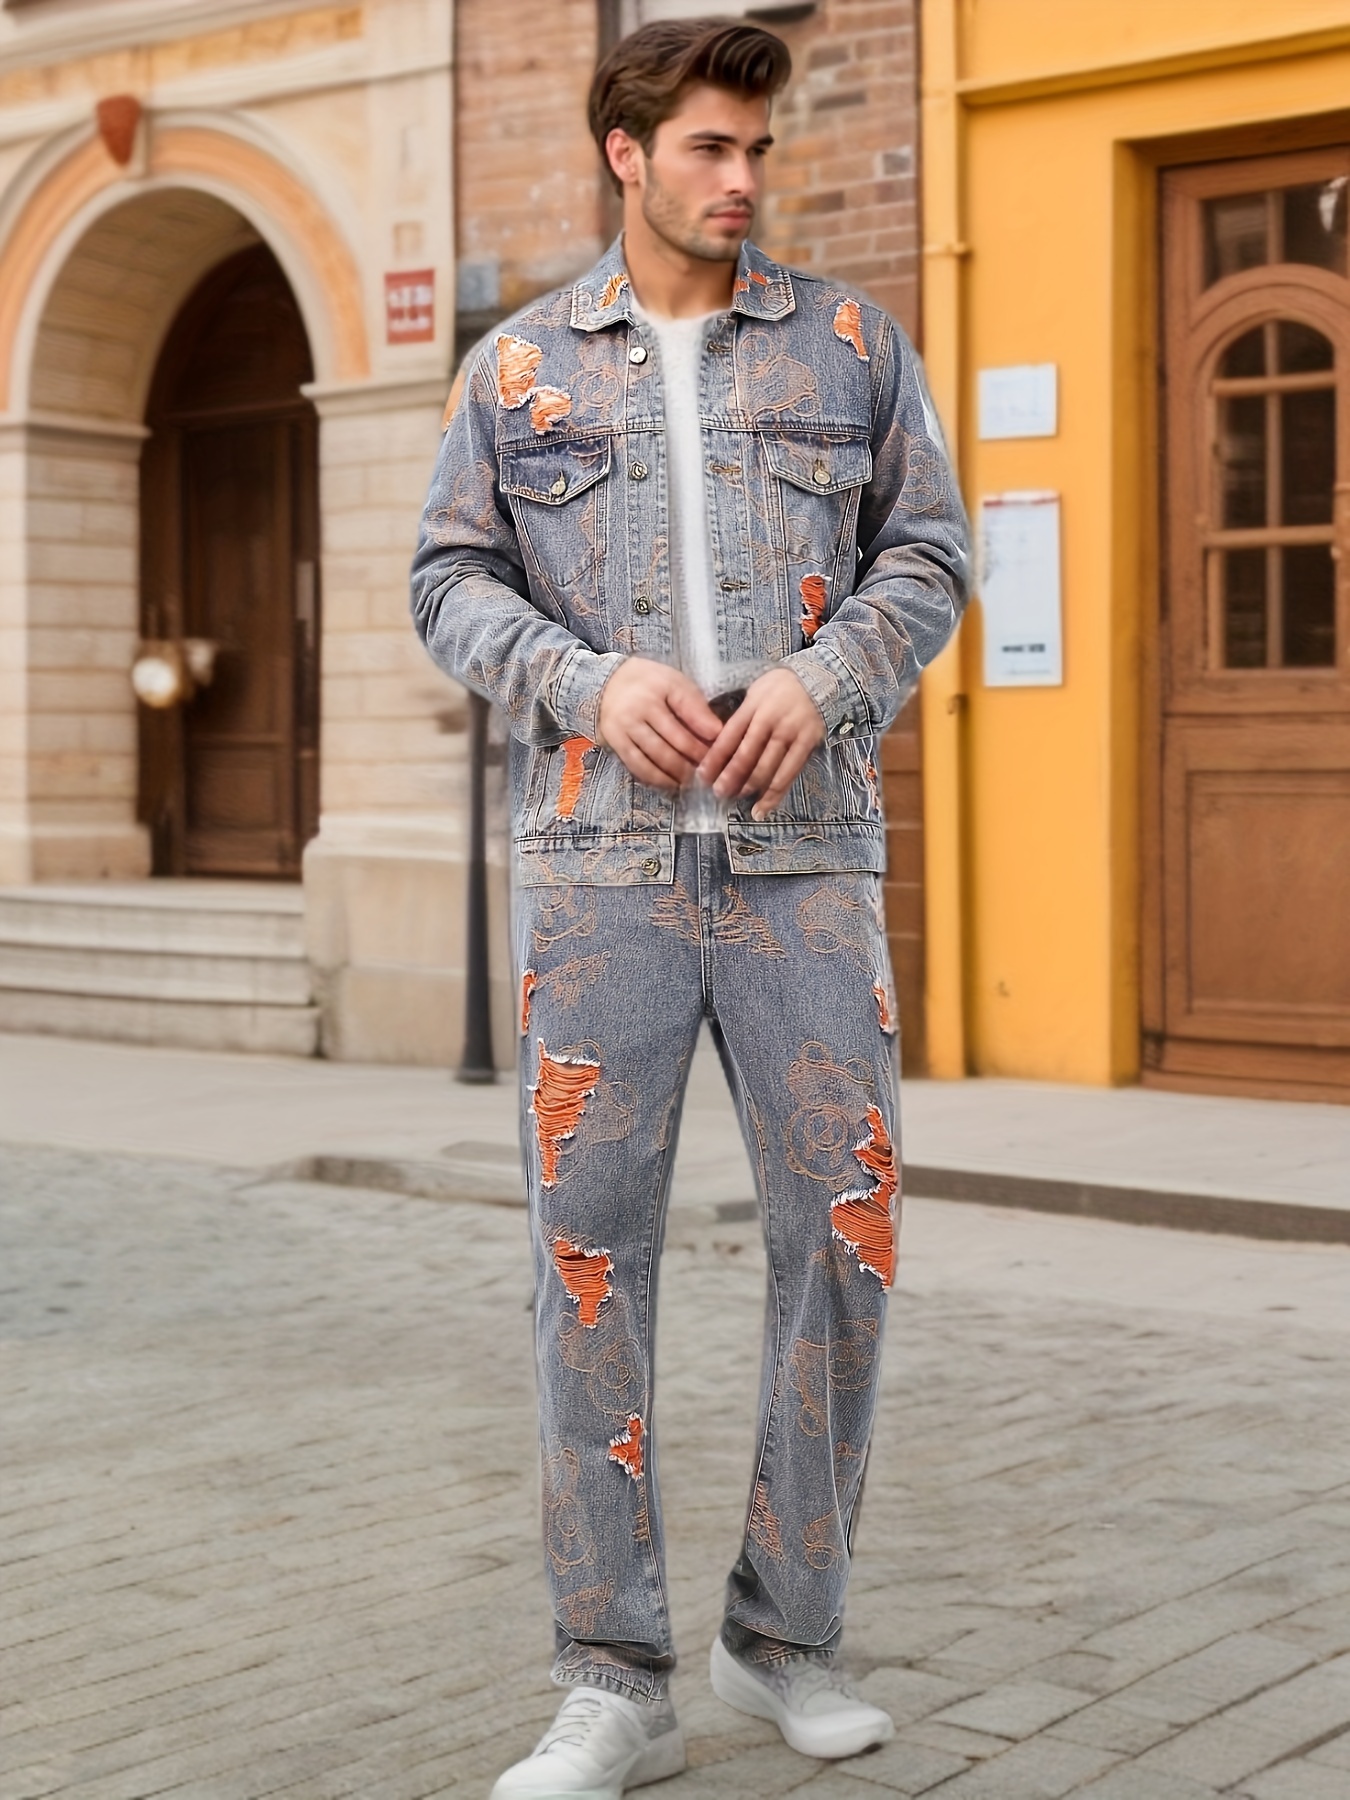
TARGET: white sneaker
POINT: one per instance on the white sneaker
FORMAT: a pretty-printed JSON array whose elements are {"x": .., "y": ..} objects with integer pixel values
[
  {"x": 599, "y": 1745},
  {"x": 814, "y": 1708}
]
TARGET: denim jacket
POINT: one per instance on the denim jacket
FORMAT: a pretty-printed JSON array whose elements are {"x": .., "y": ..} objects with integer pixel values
[{"x": 838, "y": 540}]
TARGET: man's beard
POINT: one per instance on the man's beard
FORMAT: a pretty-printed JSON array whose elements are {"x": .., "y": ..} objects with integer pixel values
[{"x": 664, "y": 216}]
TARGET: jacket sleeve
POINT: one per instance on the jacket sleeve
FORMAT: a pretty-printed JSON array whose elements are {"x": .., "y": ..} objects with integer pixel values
[
  {"x": 914, "y": 566},
  {"x": 470, "y": 596}
]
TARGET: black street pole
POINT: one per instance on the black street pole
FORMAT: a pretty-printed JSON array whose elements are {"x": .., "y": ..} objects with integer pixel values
[{"x": 476, "y": 1063}]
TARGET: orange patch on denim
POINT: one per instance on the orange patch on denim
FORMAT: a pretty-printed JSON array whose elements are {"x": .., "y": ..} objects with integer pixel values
[
  {"x": 625, "y": 1448},
  {"x": 569, "y": 788},
  {"x": 864, "y": 1220},
  {"x": 560, "y": 1095},
  {"x": 762, "y": 280},
  {"x": 517, "y": 362},
  {"x": 529, "y": 981},
  {"x": 547, "y": 406},
  {"x": 741, "y": 285},
  {"x": 814, "y": 590},
  {"x": 884, "y": 1009},
  {"x": 848, "y": 326},
  {"x": 613, "y": 288},
  {"x": 585, "y": 1274}
]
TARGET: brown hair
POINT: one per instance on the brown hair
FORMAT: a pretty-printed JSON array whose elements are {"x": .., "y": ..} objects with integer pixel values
[{"x": 641, "y": 82}]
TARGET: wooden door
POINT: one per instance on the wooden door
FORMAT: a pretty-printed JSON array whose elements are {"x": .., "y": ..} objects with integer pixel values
[
  {"x": 229, "y": 553},
  {"x": 1248, "y": 924}
]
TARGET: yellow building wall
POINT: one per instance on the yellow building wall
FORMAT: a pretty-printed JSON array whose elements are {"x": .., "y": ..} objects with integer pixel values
[{"x": 1040, "y": 175}]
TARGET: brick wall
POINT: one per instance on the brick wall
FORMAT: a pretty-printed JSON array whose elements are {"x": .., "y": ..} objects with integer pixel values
[
  {"x": 844, "y": 195},
  {"x": 531, "y": 211}
]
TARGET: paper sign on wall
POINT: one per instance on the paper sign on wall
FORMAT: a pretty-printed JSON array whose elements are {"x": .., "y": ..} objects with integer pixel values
[
  {"x": 1019, "y": 402},
  {"x": 410, "y": 306},
  {"x": 1020, "y": 590}
]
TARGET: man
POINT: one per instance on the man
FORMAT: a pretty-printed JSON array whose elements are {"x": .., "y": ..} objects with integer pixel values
[{"x": 693, "y": 530}]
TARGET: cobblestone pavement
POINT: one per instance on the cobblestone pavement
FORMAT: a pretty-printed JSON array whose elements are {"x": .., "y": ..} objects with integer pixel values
[{"x": 269, "y": 1501}]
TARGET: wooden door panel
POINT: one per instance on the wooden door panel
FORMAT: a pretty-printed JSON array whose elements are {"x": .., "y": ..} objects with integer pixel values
[{"x": 1259, "y": 834}]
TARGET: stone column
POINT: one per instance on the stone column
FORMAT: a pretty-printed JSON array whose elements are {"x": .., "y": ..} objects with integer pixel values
[
  {"x": 384, "y": 879},
  {"x": 69, "y": 622}
]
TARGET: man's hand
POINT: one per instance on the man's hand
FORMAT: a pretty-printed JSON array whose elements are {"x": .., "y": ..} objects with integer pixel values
[
  {"x": 764, "y": 745},
  {"x": 656, "y": 722}
]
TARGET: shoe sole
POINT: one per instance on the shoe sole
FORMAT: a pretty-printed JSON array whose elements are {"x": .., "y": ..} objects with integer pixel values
[{"x": 737, "y": 1687}]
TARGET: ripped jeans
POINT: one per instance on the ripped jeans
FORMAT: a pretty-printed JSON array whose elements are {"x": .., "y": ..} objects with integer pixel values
[{"x": 793, "y": 974}]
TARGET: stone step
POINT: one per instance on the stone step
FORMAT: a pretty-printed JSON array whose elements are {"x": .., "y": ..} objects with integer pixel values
[
  {"x": 159, "y": 975},
  {"x": 209, "y": 965},
  {"x": 181, "y": 1024},
  {"x": 216, "y": 918}
]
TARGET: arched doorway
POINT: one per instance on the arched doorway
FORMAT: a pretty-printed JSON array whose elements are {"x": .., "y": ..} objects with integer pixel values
[{"x": 229, "y": 553}]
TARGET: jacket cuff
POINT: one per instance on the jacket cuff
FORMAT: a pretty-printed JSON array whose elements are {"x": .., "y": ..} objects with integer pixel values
[
  {"x": 578, "y": 687},
  {"x": 831, "y": 684}
]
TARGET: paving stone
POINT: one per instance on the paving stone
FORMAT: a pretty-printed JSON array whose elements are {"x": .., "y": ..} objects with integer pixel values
[
  {"x": 1134, "y": 1783},
  {"x": 1297, "y": 1780},
  {"x": 971, "y": 1746},
  {"x": 1312, "y": 1704},
  {"x": 905, "y": 1767},
  {"x": 1013, "y": 1709},
  {"x": 1335, "y": 1752},
  {"x": 1218, "y": 1750},
  {"x": 1111, "y": 1726},
  {"x": 268, "y": 1527},
  {"x": 1194, "y": 1686},
  {"x": 1042, "y": 1768}
]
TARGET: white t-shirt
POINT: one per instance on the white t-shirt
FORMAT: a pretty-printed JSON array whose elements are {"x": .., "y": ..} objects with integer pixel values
[{"x": 680, "y": 344}]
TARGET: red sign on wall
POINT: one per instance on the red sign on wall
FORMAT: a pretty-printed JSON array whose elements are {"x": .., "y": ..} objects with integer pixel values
[{"x": 410, "y": 306}]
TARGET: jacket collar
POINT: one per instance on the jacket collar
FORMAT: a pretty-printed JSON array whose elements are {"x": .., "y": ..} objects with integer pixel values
[{"x": 763, "y": 290}]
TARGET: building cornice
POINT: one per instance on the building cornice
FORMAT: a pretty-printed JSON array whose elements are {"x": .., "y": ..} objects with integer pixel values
[
  {"x": 64, "y": 32},
  {"x": 1006, "y": 90}
]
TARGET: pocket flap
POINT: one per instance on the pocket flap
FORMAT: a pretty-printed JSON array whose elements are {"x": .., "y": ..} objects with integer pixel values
[
  {"x": 820, "y": 465},
  {"x": 553, "y": 474}
]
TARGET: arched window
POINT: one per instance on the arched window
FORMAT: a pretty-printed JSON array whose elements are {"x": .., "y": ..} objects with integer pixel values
[{"x": 1271, "y": 573}]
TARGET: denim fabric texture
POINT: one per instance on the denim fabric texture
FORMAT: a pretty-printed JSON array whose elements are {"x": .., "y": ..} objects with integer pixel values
[
  {"x": 792, "y": 973},
  {"x": 838, "y": 539}
]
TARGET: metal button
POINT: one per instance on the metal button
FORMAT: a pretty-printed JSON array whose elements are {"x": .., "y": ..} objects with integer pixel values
[
  {"x": 642, "y": 606},
  {"x": 651, "y": 865},
  {"x": 559, "y": 486},
  {"x": 638, "y": 353},
  {"x": 637, "y": 471},
  {"x": 846, "y": 729},
  {"x": 821, "y": 474}
]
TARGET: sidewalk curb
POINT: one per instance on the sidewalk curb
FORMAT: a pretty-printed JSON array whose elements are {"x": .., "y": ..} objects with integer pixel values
[
  {"x": 420, "y": 1180},
  {"x": 1228, "y": 1215},
  {"x": 1175, "y": 1210}
]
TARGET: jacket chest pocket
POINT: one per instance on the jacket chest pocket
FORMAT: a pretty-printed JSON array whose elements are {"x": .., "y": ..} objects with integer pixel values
[
  {"x": 559, "y": 499},
  {"x": 817, "y": 482}
]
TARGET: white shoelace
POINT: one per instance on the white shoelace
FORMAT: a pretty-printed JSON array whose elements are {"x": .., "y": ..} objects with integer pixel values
[{"x": 578, "y": 1714}]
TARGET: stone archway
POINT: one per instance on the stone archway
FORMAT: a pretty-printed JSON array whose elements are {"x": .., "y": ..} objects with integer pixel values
[{"x": 93, "y": 270}]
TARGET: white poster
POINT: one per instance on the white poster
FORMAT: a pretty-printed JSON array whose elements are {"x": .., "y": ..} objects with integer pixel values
[
  {"x": 1020, "y": 591},
  {"x": 1019, "y": 402}
]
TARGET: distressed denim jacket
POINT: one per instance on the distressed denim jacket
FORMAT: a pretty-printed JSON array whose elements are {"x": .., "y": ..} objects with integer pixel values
[{"x": 839, "y": 549}]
